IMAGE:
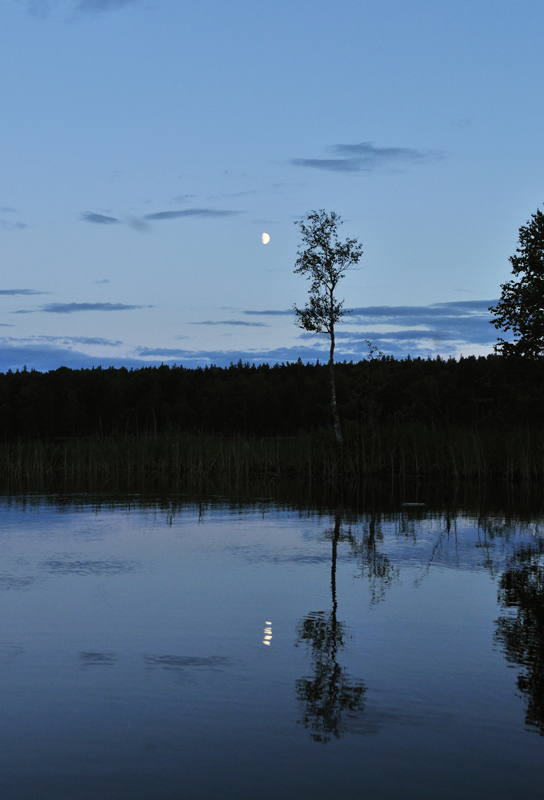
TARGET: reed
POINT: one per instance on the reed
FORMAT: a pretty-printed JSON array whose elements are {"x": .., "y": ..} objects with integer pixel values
[{"x": 396, "y": 452}]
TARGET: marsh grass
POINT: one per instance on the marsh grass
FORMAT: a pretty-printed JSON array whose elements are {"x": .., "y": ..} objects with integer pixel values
[{"x": 392, "y": 453}]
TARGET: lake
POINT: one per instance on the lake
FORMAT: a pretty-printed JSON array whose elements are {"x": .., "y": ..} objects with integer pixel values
[{"x": 185, "y": 648}]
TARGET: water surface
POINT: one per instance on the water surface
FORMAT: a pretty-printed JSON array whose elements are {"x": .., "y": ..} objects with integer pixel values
[{"x": 264, "y": 650}]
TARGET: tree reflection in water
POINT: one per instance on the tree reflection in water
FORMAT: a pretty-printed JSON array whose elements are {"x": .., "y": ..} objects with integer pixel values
[
  {"x": 521, "y": 589},
  {"x": 326, "y": 695},
  {"x": 376, "y": 567}
]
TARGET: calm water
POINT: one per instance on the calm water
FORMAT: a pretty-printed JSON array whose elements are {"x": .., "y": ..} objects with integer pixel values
[{"x": 266, "y": 651}]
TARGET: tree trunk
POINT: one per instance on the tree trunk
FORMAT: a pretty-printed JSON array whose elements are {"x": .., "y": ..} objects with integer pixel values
[{"x": 335, "y": 417}]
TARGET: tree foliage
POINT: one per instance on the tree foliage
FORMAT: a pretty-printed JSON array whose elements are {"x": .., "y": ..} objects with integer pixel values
[
  {"x": 521, "y": 306},
  {"x": 324, "y": 260}
]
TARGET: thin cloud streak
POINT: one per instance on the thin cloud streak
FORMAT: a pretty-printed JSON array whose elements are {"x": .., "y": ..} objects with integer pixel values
[
  {"x": 272, "y": 313},
  {"x": 331, "y": 164},
  {"x": 190, "y": 212},
  {"x": 100, "y": 6},
  {"x": 20, "y": 291},
  {"x": 366, "y": 158},
  {"x": 99, "y": 219},
  {"x": 457, "y": 308},
  {"x": 8, "y": 225},
  {"x": 71, "y": 308},
  {"x": 236, "y": 322},
  {"x": 86, "y": 340}
]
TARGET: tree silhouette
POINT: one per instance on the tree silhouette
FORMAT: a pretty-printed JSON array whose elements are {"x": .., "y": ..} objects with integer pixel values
[
  {"x": 328, "y": 693},
  {"x": 324, "y": 260},
  {"x": 521, "y": 587},
  {"x": 521, "y": 308},
  {"x": 375, "y": 566}
]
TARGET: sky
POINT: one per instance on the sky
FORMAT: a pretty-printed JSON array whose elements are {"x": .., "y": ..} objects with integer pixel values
[{"x": 146, "y": 146}]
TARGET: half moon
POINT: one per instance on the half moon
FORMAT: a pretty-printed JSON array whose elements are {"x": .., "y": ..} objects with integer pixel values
[{"x": 266, "y": 238}]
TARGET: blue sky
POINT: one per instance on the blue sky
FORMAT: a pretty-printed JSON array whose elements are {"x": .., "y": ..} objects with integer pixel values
[{"x": 147, "y": 144}]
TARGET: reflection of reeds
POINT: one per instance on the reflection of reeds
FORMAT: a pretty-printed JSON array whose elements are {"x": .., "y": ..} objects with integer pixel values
[{"x": 395, "y": 452}]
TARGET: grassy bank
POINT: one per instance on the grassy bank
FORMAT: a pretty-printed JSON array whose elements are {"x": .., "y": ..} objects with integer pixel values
[{"x": 389, "y": 453}]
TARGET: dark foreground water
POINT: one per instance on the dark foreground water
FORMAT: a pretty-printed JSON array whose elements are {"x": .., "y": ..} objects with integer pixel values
[{"x": 267, "y": 651}]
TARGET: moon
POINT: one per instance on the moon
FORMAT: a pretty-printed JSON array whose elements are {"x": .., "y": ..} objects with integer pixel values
[{"x": 266, "y": 238}]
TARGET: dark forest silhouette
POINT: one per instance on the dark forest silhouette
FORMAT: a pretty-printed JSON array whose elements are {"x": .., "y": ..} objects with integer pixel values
[{"x": 281, "y": 400}]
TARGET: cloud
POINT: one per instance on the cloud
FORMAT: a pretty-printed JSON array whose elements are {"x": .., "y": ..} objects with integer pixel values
[
  {"x": 138, "y": 223},
  {"x": 182, "y": 198},
  {"x": 87, "y": 340},
  {"x": 232, "y": 322},
  {"x": 270, "y": 313},
  {"x": 41, "y": 8},
  {"x": 45, "y": 357},
  {"x": 71, "y": 308},
  {"x": 190, "y": 212},
  {"x": 103, "y": 280},
  {"x": 160, "y": 352},
  {"x": 330, "y": 164},
  {"x": 20, "y": 291},
  {"x": 366, "y": 158},
  {"x": 456, "y": 307},
  {"x": 38, "y": 8},
  {"x": 448, "y": 329},
  {"x": 235, "y": 194},
  {"x": 443, "y": 327},
  {"x": 99, "y": 6},
  {"x": 8, "y": 225},
  {"x": 7, "y": 210},
  {"x": 436, "y": 314},
  {"x": 99, "y": 219}
]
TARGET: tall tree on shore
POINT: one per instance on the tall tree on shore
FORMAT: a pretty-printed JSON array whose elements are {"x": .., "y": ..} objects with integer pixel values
[
  {"x": 324, "y": 260},
  {"x": 521, "y": 305}
]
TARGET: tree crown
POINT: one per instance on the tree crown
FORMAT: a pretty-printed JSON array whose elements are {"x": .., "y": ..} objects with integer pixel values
[
  {"x": 521, "y": 305},
  {"x": 324, "y": 260}
]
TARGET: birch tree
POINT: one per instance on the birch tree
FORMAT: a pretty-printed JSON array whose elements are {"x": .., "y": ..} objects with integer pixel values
[{"x": 324, "y": 260}]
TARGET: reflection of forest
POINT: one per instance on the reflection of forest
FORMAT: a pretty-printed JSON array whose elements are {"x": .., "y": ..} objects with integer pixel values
[
  {"x": 521, "y": 631},
  {"x": 329, "y": 697}
]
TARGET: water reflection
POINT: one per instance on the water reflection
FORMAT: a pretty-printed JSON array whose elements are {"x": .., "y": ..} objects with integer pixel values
[
  {"x": 329, "y": 692},
  {"x": 91, "y": 659},
  {"x": 376, "y": 567},
  {"x": 184, "y": 662},
  {"x": 136, "y": 657},
  {"x": 267, "y": 636},
  {"x": 521, "y": 632},
  {"x": 65, "y": 565}
]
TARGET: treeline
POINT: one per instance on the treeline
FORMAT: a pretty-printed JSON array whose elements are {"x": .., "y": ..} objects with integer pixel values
[{"x": 282, "y": 400}]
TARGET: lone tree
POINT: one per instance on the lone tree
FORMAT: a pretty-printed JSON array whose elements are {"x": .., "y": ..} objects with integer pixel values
[
  {"x": 324, "y": 260},
  {"x": 521, "y": 306}
]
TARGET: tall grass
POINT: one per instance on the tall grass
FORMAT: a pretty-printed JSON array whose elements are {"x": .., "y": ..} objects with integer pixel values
[{"x": 392, "y": 453}]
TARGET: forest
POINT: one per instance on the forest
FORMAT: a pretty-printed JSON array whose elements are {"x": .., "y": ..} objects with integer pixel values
[
  {"x": 287, "y": 399},
  {"x": 476, "y": 418}
]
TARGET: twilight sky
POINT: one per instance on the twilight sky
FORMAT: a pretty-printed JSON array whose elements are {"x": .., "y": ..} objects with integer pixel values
[{"x": 147, "y": 144}]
